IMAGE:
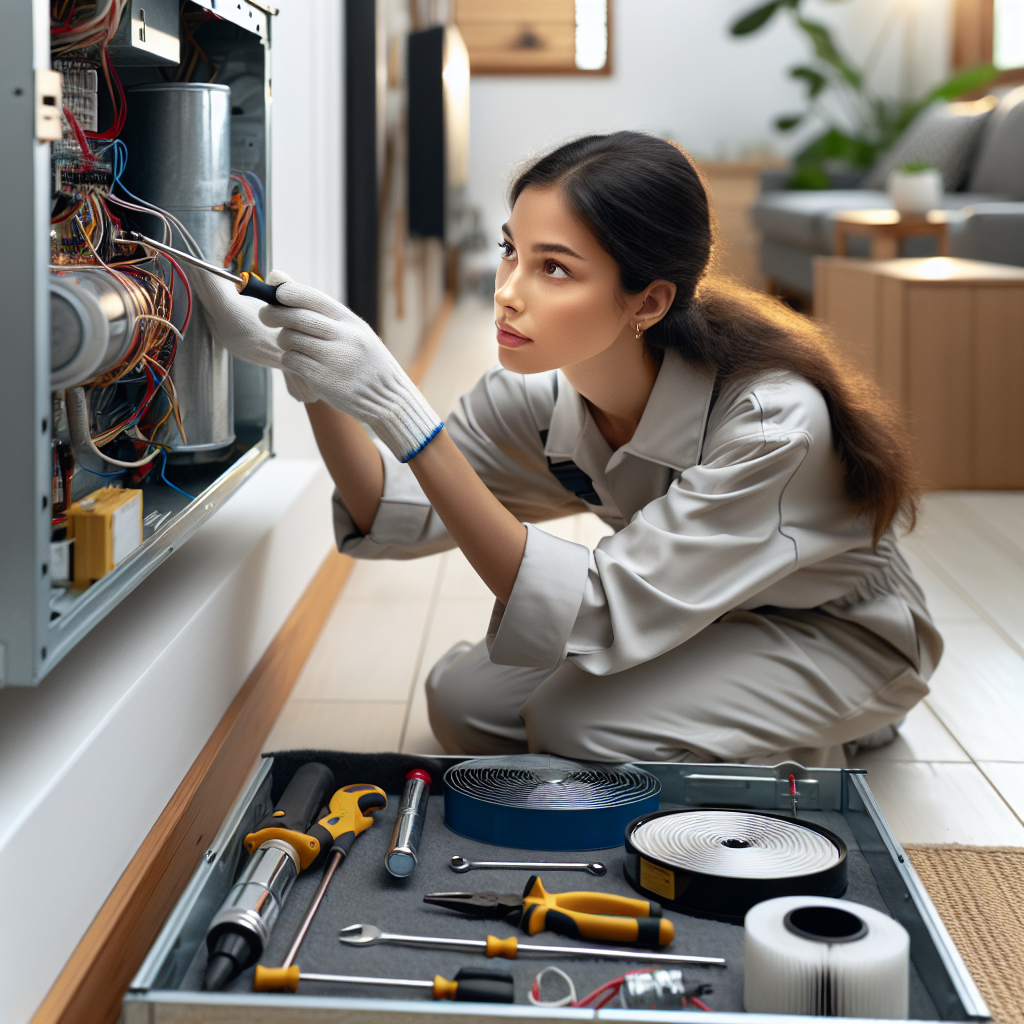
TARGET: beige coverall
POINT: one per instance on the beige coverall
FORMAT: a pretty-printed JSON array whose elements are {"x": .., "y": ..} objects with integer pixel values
[{"x": 738, "y": 613}]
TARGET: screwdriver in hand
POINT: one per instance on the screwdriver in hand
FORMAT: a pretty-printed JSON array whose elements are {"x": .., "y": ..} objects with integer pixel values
[{"x": 246, "y": 283}]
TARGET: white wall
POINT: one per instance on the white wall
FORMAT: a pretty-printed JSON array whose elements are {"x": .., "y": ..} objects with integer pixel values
[
  {"x": 678, "y": 72},
  {"x": 307, "y": 184},
  {"x": 120, "y": 720}
]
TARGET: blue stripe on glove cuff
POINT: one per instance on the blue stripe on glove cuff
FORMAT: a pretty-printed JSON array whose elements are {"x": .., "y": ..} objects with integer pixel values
[{"x": 430, "y": 437}]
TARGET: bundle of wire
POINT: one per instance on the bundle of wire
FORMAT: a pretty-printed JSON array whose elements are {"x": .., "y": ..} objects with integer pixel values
[
  {"x": 248, "y": 234},
  {"x": 665, "y": 987},
  {"x": 129, "y": 403},
  {"x": 76, "y": 25}
]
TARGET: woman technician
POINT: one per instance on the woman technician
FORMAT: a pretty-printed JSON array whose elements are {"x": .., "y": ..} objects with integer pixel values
[{"x": 752, "y": 604}]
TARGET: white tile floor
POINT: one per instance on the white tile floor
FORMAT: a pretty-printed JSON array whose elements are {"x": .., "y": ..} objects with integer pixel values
[{"x": 956, "y": 773}]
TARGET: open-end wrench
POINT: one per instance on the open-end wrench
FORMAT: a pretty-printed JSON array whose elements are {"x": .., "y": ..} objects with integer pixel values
[
  {"x": 492, "y": 946},
  {"x": 460, "y": 864}
]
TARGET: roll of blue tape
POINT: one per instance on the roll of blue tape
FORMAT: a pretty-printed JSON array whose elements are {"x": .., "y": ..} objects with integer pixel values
[{"x": 539, "y": 802}]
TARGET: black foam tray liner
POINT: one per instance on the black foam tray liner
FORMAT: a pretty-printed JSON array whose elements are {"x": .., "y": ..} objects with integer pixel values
[{"x": 362, "y": 891}]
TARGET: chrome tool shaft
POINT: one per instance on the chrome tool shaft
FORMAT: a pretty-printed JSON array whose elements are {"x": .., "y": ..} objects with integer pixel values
[
  {"x": 134, "y": 238},
  {"x": 332, "y": 865},
  {"x": 370, "y": 935}
]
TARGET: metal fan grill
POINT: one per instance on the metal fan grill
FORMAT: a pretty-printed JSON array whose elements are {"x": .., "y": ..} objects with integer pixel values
[
  {"x": 719, "y": 863},
  {"x": 540, "y": 802}
]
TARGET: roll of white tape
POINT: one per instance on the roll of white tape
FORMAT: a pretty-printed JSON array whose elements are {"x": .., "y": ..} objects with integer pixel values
[{"x": 825, "y": 957}]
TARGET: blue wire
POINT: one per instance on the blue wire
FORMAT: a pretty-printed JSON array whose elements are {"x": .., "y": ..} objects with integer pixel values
[
  {"x": 85, "y": 469},
  {"x": 163, "y": 476},
  {"x": 120, "y": 166}
]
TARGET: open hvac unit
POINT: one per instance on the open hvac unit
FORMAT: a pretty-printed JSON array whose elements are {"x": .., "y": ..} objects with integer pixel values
[{"x": 125, "y": 424}]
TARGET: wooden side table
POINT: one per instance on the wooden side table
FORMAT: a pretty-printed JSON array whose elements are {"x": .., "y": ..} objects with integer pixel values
[
  {"x": 945, "y": 340},
  {"x": 888, "y": 228}
]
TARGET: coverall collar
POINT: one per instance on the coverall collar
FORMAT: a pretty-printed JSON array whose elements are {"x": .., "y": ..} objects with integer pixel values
[{"x": 671, "y": 429}]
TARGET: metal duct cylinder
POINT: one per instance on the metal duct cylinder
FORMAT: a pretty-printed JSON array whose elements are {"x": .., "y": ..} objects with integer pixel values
[
  {"x": 92, "y": 322},
  {"x": 178, "y": 136}
]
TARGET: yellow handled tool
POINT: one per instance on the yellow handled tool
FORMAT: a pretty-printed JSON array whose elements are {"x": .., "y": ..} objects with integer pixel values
[
  {"x": 470, "y": 985},
  {"x": 580, "y": 915},
  {"x": 349, "y": 813}
]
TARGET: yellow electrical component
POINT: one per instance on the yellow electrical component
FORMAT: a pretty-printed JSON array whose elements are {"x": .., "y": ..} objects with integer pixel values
[{"x": 106, "y": 527}]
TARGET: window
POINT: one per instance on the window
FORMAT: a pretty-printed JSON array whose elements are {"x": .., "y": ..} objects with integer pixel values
[
  {"x": 990, "y": 30},
  {"x": 1008, "y": 34},
  {"x": 536, "y": 36}
]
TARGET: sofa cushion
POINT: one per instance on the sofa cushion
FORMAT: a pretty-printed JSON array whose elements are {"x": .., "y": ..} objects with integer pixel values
[
  {"x": 795, "y": 217},
  {"x": 999, "y": 167},
  {"x": 804, "y": 219},
  {"x": 943, "y": 135},
  {"x": 990, "y": 231}
]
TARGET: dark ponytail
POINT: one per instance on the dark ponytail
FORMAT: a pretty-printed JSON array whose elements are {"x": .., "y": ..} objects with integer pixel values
[{"x": 647, "y": 205}]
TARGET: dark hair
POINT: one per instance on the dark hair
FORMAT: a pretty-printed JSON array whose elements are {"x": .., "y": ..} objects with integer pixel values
[{"x": 648, "y": 207}]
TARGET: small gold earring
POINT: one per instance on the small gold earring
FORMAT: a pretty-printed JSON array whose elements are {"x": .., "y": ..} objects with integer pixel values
[{"x": 638, "y": 332}]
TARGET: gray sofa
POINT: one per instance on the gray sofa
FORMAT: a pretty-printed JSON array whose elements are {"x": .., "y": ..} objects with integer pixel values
[{"x": 797, "y": 225}]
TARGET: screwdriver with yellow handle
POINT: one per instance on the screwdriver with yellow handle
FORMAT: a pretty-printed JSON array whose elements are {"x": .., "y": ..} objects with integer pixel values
[
  {"x": 470, "y": 985},
  {"x": 349, "y": 813},
  {"x": 246, "y": 283},
  {"x": 579, "y": 915}
]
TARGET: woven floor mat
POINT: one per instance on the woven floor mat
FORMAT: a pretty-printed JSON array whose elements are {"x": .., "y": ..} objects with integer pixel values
[{"x": 979, "y": 893}]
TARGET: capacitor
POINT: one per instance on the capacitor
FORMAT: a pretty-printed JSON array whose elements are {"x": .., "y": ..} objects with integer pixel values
[{"x": 405, "y": 837}]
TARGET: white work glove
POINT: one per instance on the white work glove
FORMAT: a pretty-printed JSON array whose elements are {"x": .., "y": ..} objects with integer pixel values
[
  {"x": 338, "y": 357},
  {"x": 234, "y": 320}
]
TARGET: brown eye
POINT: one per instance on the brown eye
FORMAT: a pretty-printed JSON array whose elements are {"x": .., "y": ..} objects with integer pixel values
[{"x": 556, "y": 270}]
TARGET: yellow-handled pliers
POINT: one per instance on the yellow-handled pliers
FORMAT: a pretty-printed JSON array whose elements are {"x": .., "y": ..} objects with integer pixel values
[{"x": 580, "y": 915}]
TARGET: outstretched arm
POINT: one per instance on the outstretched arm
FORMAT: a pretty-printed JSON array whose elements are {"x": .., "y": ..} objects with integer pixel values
[{"x": 491, "y": 538}]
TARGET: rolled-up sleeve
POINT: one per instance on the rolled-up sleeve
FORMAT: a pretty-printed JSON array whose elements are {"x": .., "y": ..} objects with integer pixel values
[
  {"x": 406, "y": 526},
  {"x": 495, "y": 428},
  {"x": 532, "y": 630}
]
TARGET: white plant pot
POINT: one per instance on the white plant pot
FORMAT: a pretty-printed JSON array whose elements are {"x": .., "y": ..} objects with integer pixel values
[{"x": 916, "y": 192}]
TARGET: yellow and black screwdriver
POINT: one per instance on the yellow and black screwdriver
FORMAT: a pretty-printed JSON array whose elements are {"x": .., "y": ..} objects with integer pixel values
[
  {"x": 470, "y": 984},
  {"x": 349, "y": 813},
  {"x": 246, "y": 282}
]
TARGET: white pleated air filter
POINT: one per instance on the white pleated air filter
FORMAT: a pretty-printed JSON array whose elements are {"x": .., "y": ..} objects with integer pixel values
[
  {"x": 825, "y": 958},
  {"x": 720, "y": 862},
  {"x": 540, "y": 802}
]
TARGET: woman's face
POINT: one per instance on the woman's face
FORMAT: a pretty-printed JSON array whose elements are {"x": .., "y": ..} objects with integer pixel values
[{"x": 558, "y": 297}]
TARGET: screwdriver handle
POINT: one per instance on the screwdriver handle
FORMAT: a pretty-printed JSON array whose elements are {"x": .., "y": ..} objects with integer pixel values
[
  {"x": 350, "y": 812},
  {"x": 476, "y": 985},
  {"x": 276, "y": 979},
  {"x": 256, "y": 288}
]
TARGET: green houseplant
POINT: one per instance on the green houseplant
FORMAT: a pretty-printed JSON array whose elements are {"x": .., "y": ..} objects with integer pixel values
[{"x": 856, "y": 124}]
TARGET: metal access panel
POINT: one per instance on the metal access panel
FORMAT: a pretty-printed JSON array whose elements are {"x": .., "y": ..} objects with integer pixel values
[{"x": 40, "y": 622}]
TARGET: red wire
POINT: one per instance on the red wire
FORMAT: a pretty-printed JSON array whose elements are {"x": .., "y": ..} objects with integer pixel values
[
  {"x": 80, "y": 136},
  {"x": 188, "y": 290},
  {"x": 615, "y": 984},
  {"x": 121, "y": 108},
  {"x": 700, "y": 1005}
]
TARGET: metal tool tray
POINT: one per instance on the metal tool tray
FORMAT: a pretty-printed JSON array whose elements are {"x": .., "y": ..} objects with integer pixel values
[{"x": 156, "y": 996}]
